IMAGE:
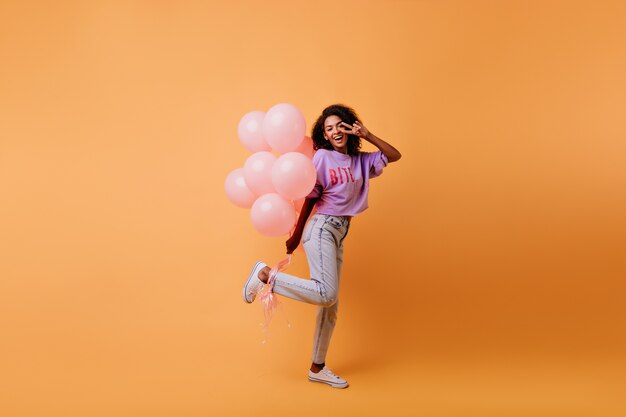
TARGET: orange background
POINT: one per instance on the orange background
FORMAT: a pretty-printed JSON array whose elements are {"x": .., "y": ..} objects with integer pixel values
[{"x": 487, "y": 277}]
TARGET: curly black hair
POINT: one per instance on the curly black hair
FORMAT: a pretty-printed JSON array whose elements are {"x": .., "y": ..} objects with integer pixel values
[{"x": 347, "y": 115}]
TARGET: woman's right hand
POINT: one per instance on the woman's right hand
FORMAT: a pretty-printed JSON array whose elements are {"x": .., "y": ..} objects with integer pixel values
[{"x": 293, "y": 242}]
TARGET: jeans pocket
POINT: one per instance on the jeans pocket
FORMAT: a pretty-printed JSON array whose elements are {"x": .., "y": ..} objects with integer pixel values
[
  {"x": 345, "y": 234},
  {"x": 334, "y": 222},
  {"x": 308, "y": 230}
]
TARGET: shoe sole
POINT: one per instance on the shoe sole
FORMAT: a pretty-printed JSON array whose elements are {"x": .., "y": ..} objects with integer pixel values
[
  {"x": 250, "y": 278},
  {"x": 332, "y": 384}
]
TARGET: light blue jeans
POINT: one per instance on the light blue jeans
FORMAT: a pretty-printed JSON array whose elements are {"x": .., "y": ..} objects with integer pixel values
[{"x": 322, "y": 238}]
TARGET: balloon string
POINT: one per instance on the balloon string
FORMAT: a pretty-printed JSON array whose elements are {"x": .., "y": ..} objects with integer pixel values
[{"x": 267, "y": 297}]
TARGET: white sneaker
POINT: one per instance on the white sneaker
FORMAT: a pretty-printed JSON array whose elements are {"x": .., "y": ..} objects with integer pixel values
[
  {"x": 326, "y": 376},
  {"x": 253, "y": 285}
]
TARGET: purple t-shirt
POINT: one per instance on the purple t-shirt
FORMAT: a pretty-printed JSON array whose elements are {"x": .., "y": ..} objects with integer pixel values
[{"x": 343, "y": 180}]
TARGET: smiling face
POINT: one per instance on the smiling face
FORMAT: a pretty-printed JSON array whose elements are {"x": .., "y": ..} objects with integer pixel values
[{"x": 333, "y": 133}]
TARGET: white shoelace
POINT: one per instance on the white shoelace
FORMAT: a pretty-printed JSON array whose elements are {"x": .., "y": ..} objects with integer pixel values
[{"x": 329, "y": 373}]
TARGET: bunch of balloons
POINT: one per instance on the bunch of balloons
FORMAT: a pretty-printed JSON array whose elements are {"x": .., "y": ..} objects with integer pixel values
[{"x": 272, "y": 186}]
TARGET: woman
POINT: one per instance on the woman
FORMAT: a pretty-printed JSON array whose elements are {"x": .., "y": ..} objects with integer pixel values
[{"x": 343, "y": 174}]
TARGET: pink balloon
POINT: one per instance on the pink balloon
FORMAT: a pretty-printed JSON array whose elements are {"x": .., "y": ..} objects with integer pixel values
[
  {"x": 306, "y": 147},
  {"x": 257, "y": 171},
  {"x": 293, "y": 175},
  {"x": 272, "y": 215},
  {"x": 249, "y": 131},
  {"x": 297, "y": 204},
  {"x": 237, "y": 191},
  {"x": 284, "y": 127}
]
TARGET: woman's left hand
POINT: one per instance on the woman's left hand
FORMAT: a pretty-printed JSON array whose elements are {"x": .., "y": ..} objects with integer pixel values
[{"x": 356, "y": 129}]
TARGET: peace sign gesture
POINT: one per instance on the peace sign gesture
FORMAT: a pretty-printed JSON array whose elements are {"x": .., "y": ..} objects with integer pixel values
[{"x": 355, "y": 129}]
